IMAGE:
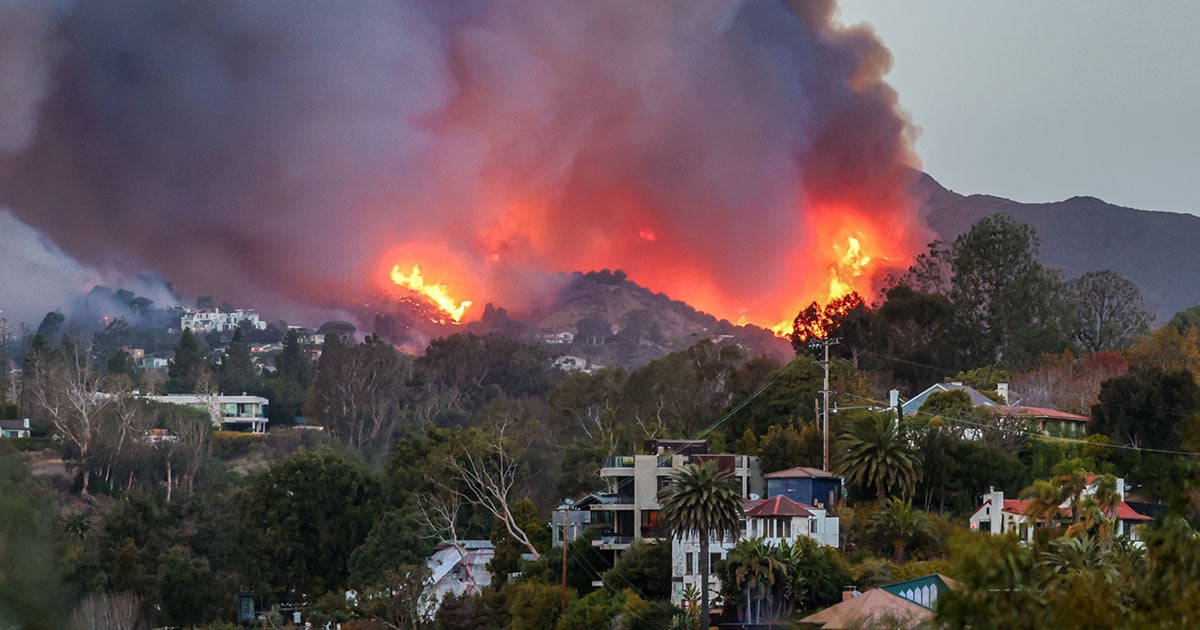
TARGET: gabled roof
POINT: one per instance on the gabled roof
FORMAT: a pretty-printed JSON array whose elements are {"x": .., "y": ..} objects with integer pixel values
[
  {"x": 801, "y": 472},
  {"x": 914, "y": 404},
  {"x": 872, "y": 607},
  {"x": 923, "y": 590},
  {"x": 776, "y": 506},
  {"x": 1045, "y": 413},
  {"x": 1124, "y": 511}
]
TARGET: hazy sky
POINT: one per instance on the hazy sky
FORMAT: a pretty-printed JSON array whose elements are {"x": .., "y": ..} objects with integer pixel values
[{"x": 1040, "y": 101}]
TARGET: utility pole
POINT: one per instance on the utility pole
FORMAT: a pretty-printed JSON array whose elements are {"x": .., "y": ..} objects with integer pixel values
[
  {"x": 825, "y": 343},
  {"x": 566, "y": 506}
]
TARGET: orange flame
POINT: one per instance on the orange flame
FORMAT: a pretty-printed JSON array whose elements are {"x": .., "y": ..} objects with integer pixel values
[
  {"x": 438, "y": 294},
  {"x": 850, "y": 266}
]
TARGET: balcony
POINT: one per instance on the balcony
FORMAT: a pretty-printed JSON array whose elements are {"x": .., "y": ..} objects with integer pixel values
[
  {"x": 617, "y": 467},
  {"x": 653, "y": 533},
  {"x": 614, "y": 502},
  {"x": 613, "y": 542}
]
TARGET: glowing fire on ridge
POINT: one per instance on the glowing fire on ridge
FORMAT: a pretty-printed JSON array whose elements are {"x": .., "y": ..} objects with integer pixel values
[
  {"x": 437, "y": 294},
  {"x": 848, "y": 273},
  {"x": 850, "y": 266}
]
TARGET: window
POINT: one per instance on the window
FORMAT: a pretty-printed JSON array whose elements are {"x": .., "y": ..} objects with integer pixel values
[
  {"x": 812, "y": 525},
  {"x": 713, "y": 559},
  {"x": 688, "y": 570},
  {"x": 787, "y": 528}
]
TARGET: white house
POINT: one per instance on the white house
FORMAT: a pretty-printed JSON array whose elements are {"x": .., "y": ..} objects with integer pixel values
[
  {"x": 559, "y": 338},
  {"x": 460, "y": 569},
  {"x": 14, "y": 428},
  {"x": 213, "y": 320},
  {"x": 775, "y": 520},
  {"x": 229, "y": 413},
  {"x": 999, "y": 515}
]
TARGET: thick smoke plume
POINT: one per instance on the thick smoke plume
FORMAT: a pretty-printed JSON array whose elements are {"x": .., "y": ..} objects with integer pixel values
[{"x": 277, "y": 153}]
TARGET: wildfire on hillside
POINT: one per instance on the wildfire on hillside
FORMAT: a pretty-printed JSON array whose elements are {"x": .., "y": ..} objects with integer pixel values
[{"x": 438, "y": 295}]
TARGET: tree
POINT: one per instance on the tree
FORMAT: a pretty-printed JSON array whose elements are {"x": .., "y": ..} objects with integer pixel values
[
  {"x": 64, "y": 390},
  {"x": 106, "y": 610},
  {"x": 918, "y": 329},
  {"x": 757, "y": 572},
  {"x": 301, "y": 519},
  {"x": 190, "y": 592},
  {"x": 360, "y": 393},
  {"x": 847, "y": 316},
  {"x": 237, "y": 373},
  {"x": 900, "y": 524},
  {"x": 593, "y": 328},
  {"x": 486, "y": 469},
  {"x": 292, "y": 363},
  {"x": 701, "y": 501},
  {"x": 645, "y": 567},
  {"x": 1010, "y": 305},
  {"x": 190, "y": 362},
  {"x": 31, "y": 588},
  {"x": 873, "y": 451},
  {"x": 784, "y": 448},
  {"x": 534, "y": 605},
  {"x": 1147, "y": 408},
  {"x": 1111, "y": 311}
]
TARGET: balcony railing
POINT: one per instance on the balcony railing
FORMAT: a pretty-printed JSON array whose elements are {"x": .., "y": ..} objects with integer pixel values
[{"x": 618, "y": 462}]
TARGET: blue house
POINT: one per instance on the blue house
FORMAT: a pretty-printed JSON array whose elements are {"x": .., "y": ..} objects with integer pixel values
[{"x": 809, "y": 486}]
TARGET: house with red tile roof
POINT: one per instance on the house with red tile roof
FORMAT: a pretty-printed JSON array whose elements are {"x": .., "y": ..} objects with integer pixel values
[
  {"x": 1048, "y": 421},
  {"x": 999, "y": 515},
  {"x": 775, "y": 520}
]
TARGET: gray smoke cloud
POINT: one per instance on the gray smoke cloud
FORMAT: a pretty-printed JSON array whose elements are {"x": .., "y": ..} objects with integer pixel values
[
  {"x": 285, "y": 155},
  {"x": 35, "y": 275}
]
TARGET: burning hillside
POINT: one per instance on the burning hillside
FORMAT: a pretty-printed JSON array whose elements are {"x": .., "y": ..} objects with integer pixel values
[{"x": 744, "y": 158}]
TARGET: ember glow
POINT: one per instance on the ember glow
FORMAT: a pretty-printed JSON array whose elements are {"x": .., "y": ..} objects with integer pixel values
[{"x": 436, "y": 294}]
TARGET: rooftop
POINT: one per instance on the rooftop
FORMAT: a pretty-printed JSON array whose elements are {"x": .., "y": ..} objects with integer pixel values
[
  {"x": 776, "y": 506},
  {"x": 801, "y": 472}
]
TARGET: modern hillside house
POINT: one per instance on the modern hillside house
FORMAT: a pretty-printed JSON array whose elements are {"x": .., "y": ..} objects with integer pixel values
[
  {"x": 627, "y": 510},
  {"x": 229, "y": 413}
]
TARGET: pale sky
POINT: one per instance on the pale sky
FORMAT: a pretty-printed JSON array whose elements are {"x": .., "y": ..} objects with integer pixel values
[{"x": 1041, "y": 101}]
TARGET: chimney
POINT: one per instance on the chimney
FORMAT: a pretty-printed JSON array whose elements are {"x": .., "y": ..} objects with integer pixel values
[
  {"x": 893, "y": 398},
  {"x": 1002, "y": 391},
  {"x": 26, "y": 423}
]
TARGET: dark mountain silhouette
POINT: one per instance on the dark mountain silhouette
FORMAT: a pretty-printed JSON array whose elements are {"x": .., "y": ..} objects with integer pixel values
[
  {"x": 630, "y": 325},
  {"x": 1155, "y": 250}
]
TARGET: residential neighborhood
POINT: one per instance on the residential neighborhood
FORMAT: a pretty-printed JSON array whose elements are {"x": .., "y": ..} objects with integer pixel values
[{"x": 599, "y": 315}]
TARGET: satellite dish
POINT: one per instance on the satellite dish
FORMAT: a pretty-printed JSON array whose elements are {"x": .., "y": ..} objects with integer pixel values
[{"x": 754, "y": 496}]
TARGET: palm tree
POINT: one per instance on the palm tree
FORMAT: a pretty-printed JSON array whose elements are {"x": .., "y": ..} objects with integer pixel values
[
  {"x": 1075, "y": 555},
  {"x": 873, "y": 451},
  {"x": 900, "y": 523},
  {"x": 702, "y": 501},
  {"x": 757, "y": 571},
  {"x": 1044, "y": 499}
]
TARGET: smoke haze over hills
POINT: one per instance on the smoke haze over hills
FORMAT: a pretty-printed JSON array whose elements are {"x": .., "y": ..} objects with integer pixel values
[{"x": 286, "y": 156}]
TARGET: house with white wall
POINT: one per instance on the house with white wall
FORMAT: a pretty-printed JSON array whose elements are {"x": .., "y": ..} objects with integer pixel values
[
  {"x": 214, "y": 320},
  {"x": 999, "y": 515},
  {"x": 228, "y": 413},
  {"x": 459, "y": 569},
  {"x": 775, "y": 520}
]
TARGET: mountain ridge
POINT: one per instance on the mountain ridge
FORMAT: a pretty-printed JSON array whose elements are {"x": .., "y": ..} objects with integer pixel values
[{"x": 1151, "y": 248}]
